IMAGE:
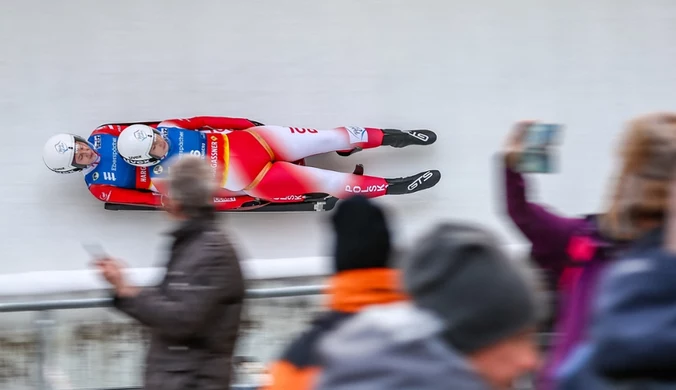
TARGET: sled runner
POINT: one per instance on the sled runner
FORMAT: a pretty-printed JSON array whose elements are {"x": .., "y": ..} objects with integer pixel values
[{"x": 313, "y": 202}]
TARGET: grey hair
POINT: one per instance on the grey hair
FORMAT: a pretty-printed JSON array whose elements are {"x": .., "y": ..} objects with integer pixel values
[{"x": 191, "y": 184}]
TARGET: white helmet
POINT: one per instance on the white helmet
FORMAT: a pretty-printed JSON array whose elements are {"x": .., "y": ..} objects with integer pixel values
[
  {"x": 134, "y": 144},
  {"x": 58, "y": 153}
]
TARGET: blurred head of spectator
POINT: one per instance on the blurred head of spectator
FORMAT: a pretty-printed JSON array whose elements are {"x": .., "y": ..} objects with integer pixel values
[
  {"x": 363, "y": 277},
  {"x": 190, "y": 188},
  {"x": 487, "y": 301},
  {"x": 647, "y": 159},
  {"x": 471, "y": 323},
  {"x": 362, "y": 235}
]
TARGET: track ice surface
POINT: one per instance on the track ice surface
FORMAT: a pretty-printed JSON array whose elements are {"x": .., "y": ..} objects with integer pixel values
[{"x": 466, "y": 69}]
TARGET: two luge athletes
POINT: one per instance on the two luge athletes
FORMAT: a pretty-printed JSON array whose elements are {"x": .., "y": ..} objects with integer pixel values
[{"x": 249, "y": 160}]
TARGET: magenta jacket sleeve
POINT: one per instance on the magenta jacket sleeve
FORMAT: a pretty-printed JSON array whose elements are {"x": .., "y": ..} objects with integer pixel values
[{"x": 548, "y": 232}]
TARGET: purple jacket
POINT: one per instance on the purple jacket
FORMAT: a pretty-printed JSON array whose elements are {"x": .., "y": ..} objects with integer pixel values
[{"x": 572, "y": 251}]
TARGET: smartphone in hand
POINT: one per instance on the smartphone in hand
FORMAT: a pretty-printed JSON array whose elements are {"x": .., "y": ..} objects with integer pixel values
[
  {"x": 95, "y": 250},
  {"x": 538, "y": 154}
]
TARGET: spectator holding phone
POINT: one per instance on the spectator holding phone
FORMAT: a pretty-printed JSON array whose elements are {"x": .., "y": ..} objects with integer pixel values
[
  {"x": 631, "y": 340},
  {"x": 573, "y": 251},
  {"x": 194, "y": 313}
]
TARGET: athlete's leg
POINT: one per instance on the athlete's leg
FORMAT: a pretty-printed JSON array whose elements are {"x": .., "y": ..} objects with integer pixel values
[
  {"x": 283, "y": 181},
  {"x": 293, "y": 143}
]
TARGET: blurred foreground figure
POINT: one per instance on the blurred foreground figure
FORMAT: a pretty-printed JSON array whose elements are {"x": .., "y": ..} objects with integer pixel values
[
  {"x": 471, "y": 324},
  {"x": 572, "y": 251},
  {"x": 194, "y": 314},
  {"x": 362, "y": 277},
  {"x": 632, "y": 343}
]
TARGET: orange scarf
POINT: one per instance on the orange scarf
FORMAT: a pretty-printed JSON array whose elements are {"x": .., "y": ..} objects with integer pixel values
[{"x": 350, "y": 291}]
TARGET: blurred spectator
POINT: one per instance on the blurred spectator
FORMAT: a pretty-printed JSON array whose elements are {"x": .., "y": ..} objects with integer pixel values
[
  {"x": 194, "y": 313},
  {"x": 572, "y": 251},
  {"x": 632, "y": 337},
  {"x": 362, "y": 278},
  {"x": 470, "y": 325}
]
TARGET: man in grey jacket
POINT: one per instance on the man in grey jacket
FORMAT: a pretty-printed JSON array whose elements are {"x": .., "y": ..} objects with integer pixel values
[
  {"x": 194, "y": 313},
  {"x": 470, "y": 326}
]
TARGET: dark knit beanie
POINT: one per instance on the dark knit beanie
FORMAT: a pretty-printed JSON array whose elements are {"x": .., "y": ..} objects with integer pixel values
[
  {"x": 362, "y": 236},
  {"x": 460, "y": 273}
]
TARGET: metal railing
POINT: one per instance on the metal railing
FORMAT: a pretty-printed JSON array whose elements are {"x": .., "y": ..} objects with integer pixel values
[
  {"x": 41, "y": 306},
  {"x": 44, "y": 319}
]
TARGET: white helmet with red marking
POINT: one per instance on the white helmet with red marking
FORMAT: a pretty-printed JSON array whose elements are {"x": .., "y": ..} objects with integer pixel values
[
  {"x": 59, "y": 152},
  {"x": 135, "y": 143}
]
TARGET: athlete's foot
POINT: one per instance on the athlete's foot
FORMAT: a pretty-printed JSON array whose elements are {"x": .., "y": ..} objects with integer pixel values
[
  {"x": 415, "y": 183},
  {"x": 358, "y": 170},
  {"x": 401, "y": 138}
]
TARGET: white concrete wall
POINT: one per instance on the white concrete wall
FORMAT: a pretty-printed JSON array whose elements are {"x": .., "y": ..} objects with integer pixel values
[{"x": 466, "y": 69}]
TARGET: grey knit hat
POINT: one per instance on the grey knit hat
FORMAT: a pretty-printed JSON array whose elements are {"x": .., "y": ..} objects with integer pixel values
[{"x": 459, "y": 272}]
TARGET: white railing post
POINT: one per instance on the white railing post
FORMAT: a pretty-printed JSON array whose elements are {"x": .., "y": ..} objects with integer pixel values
[{"x": 43, "y": 323}]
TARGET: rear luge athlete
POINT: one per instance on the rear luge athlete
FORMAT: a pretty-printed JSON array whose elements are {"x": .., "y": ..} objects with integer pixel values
[{"x": 258, "y": 161}]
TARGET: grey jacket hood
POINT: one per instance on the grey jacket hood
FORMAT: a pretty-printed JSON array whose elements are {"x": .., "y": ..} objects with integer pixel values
[{"x": 394, "y": 346}]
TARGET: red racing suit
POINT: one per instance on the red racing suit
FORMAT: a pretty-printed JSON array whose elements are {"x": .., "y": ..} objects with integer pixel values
[
  {"x": 258, "y": 162},
  {"x": 131, "y": 185}
]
